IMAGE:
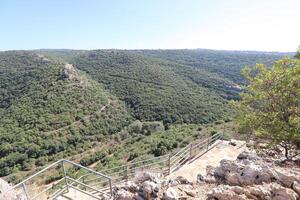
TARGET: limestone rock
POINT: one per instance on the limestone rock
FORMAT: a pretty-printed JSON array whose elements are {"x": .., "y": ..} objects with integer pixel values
[
  {"x": 145, "y": 176},
  {"x": 130, "y": 186},
  {"x": 149, "y": 189},
  {"x": 170, "y": 194},
  {"x": 247, "y": 155},
  {"x": 233, "y": 142},
  {"x": 225, "y": 192},
  {"x": 188, "y": 190},
  {"x": 7, "y": 193},
  {"x": 287, "y": 177},
  {"x": 271, "y": 191},
  {"x": 282, "y": 193},
  {"x": 124, "y": 195},
  {"x": 182, "y": 180},
  {"x": 296, "y": 187}
]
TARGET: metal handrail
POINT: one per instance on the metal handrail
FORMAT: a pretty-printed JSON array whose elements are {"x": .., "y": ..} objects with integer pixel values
[
  {"x": 171, "y": 162},
  {"x": 65, "y": 178},
  {"x": 133, "y": 163},
  {"x": 46, "y": 189},
  {"x": 88, "y": 169},
  {"x": 34, "y": 175}
]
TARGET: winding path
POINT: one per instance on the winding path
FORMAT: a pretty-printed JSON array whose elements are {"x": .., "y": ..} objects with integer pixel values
[{"x": 78, "y": 122}]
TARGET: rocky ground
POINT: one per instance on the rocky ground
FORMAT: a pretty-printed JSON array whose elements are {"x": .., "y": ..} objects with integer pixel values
[
  {"x": 6, "y": 192},
  {"x": 249, "y": 177}
]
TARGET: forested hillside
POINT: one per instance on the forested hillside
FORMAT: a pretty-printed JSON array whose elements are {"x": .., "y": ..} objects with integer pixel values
[
  {"x": 175, "y": 86},
  {"x": 153, "y": 89},
  {"x": 226, "y": 64},
  {"x": 49, "y": 110}
]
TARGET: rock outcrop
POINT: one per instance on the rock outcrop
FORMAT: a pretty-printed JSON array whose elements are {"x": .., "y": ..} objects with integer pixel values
[
  {"x": 250, "y": 177},
  {"x": 7, "y": 192},
  {"x": 153, "y": 186},
  {"x": 270, "y": 191}
]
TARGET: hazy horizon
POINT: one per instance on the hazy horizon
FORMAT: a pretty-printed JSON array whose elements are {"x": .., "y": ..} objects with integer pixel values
[{"x": 68, "y": 49}]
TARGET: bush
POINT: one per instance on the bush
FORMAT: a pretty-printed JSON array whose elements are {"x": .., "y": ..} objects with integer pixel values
[{"x": 93, "y": 158}]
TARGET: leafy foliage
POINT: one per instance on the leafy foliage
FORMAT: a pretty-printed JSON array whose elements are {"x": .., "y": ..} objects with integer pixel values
[
  {"x": 49, "y": 110},
  {"x": 98, "y": 156},
  {"x": 271, "y": 105},
  {"x": 152, "y": 89},
  {"x": 227, "y": 64}
]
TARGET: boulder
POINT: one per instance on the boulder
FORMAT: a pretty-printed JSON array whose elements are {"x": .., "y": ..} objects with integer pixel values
[
  {"x": 282, "y": 193},
  {"x": 188, "y": 190},
  {"x": 225, "y": 192},
  {"x": 255, "y": 174},
  {"x": 241, "y": 173},
  {"x": 124, "y": 195},
  {"x": 149, "y": 189},
  {"x": 130, "y": 186},
  {"x": 7, "y": 192},
  {"x": 182, "y": 180},
  {"x": 271, "y": 191},
  {"x": 145, "y": 176},
  {"x": 170, "y": 194},
  {"x": 296, "y": 187},
  {"x": 247, "y": 155},
  {"x": 233, "y": 142},
  {"x": 287, "y": 176}
]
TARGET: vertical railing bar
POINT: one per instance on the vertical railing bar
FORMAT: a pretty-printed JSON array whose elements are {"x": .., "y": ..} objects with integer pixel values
[
  {"x": 25, "y": 191},
  {"x": 207, "y": 144},
  {"x": 65, "y": 174},
  {"x": 191, "y": 150},
  {"x": 179, "y": 158},
  {"x": 110, "y": 187},
  {"x": 169, "y": 164}
]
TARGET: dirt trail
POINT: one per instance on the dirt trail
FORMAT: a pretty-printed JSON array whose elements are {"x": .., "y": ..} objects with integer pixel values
[
  {"x": 78, "y": 122},
  {"x": 223, "y": 150}
]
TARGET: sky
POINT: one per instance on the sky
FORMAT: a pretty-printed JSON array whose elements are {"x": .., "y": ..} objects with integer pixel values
[{"x": 261, "y": 25}]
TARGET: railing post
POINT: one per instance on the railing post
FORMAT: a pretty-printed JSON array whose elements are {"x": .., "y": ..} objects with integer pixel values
[
  {"x": 223, "y": 132},
  {"x": 25, "y": 191},
  {"x": 110, "y": 187},
  {"x": 208, "y": 139},
  {"x": 169, "y": 164},
  {"x": 191, "y": 151},
  {"x": 65, "y": 174},
  {"x": 83, "y": 182},
  {"x": 127, "y": 172}
]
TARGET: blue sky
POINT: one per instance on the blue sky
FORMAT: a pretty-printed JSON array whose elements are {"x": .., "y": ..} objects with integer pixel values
[{"x": 269, "y": 25}]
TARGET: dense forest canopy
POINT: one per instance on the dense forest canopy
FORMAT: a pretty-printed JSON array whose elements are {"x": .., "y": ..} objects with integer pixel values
[
  {"x": 57, "y": 103},
  {"x": 49, "y": 108}
]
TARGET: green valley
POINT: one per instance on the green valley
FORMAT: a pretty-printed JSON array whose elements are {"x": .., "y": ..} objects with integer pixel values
[{"x": 66, "y": 103}]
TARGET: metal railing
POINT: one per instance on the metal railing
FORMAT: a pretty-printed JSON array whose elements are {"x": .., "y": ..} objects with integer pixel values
[
  {"x": 100, "y": 184},
  {"x": 192, "y": 150},
  {"x": 164, "y": 165},
  {"x": 69, "y": 176}
]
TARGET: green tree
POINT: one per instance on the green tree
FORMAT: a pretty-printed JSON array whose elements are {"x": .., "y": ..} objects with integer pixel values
[{"x": 270, "y": 105}]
